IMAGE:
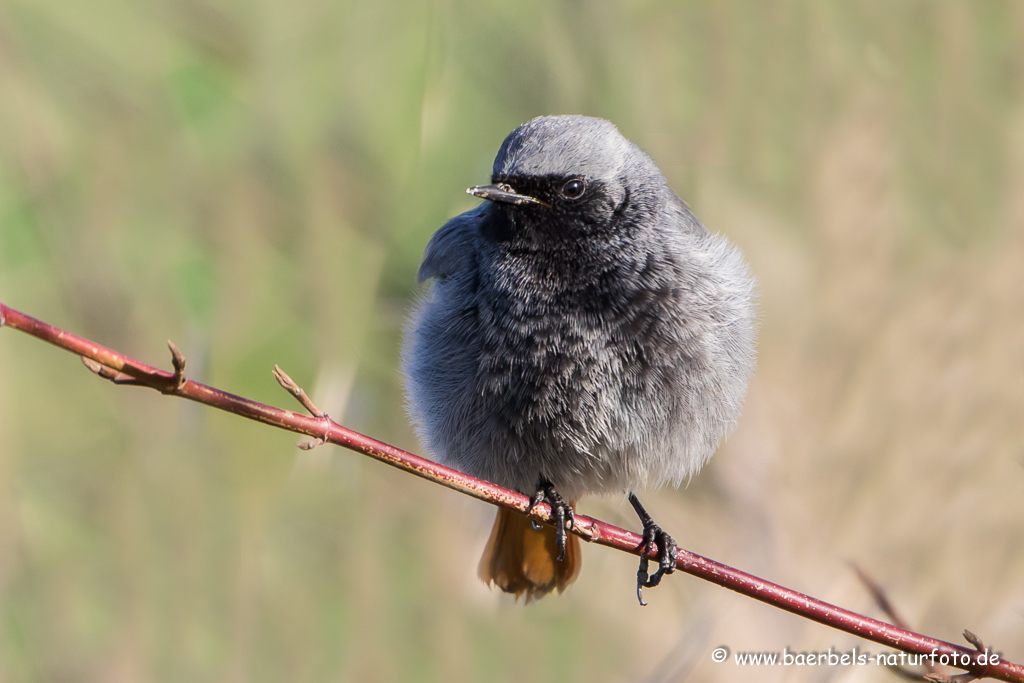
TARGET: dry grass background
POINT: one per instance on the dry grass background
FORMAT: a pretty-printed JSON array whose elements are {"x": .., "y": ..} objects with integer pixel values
[{"x": 257, "y": 180}]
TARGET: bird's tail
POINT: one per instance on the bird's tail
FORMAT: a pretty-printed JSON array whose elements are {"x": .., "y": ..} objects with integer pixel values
[{"x": 522, "y": 560}]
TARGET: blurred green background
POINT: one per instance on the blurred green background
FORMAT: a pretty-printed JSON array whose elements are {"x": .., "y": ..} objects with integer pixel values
[{"x": 257, "y": 181}]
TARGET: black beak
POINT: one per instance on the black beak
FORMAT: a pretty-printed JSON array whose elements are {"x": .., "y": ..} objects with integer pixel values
[{"x": 504, "y": 194}]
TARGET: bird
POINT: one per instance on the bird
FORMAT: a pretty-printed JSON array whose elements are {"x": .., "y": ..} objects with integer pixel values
[{"x": 582, "y": 333}]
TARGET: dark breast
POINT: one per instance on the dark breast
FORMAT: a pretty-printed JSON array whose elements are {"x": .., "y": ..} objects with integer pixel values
[{"x": 572, "y": 343}]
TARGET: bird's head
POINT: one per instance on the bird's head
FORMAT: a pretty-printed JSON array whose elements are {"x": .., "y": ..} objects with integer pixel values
[{"x": 571, "y": 176}]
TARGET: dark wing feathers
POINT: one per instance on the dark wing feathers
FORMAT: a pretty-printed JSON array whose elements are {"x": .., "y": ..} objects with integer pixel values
[{"x": 452, "y": 247}]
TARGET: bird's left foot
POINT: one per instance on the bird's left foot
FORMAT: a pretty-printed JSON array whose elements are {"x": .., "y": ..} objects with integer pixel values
[
  {"x": 667, "y": 549},
  {"x": 561, "y": 511}
]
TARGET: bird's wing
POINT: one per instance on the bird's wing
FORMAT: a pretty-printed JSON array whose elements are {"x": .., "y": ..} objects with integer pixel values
[{"x": 453, "y": 246}]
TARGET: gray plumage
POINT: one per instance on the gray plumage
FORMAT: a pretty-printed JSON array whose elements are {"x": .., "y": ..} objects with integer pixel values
[{"x": 603, "y": 342}]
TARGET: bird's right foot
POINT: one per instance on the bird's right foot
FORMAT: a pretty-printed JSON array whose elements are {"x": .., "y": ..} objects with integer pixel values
[
  {"x": 562, "y": 512},
  {"x": 667, "y": 550}
]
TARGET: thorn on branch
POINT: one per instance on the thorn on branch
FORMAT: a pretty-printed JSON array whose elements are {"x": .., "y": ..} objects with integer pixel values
[
  {"x": 178, "y": 361},
  {"x": 300, "y": 395},
  {"x": 108, "y": 373},
  {"x": 295, "y": 390},
  {"x": 100, "y": 369},
  {"x": 964, "y": 677},
  {"x": 975, "y": 641}
]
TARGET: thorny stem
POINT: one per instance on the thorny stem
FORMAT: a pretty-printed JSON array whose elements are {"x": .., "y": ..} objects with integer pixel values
[{"x": 121, "y": 369}]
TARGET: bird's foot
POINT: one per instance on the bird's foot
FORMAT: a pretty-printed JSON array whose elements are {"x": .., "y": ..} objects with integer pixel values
[
  {"x": 667, "y": 549},
  {"x": 562, "y": 512}
]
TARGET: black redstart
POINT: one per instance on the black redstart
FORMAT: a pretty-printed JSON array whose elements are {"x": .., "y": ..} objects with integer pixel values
[{"x": 584, "y": 333}]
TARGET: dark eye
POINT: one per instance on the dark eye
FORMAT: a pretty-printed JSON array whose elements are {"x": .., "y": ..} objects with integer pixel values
[{"x": 574, "y": 188}]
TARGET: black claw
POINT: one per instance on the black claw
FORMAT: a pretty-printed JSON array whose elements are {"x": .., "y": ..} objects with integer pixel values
[
  {"x": 667, "y": 550},
  {"x": 563, "y": 513}
]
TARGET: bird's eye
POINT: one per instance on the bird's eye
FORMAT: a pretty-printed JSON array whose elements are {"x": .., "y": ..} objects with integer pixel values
[{"x": 574, "y": 189}]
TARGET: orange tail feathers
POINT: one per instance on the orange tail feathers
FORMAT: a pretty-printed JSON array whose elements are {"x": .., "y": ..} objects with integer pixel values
[{"x": 522, "y": 560}]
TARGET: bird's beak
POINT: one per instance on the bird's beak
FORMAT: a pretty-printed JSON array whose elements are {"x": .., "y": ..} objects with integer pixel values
[{"x": 503, "y": 194}]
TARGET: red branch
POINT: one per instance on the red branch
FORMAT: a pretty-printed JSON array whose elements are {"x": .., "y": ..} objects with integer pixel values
[{"x": 124, "y": 370}]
